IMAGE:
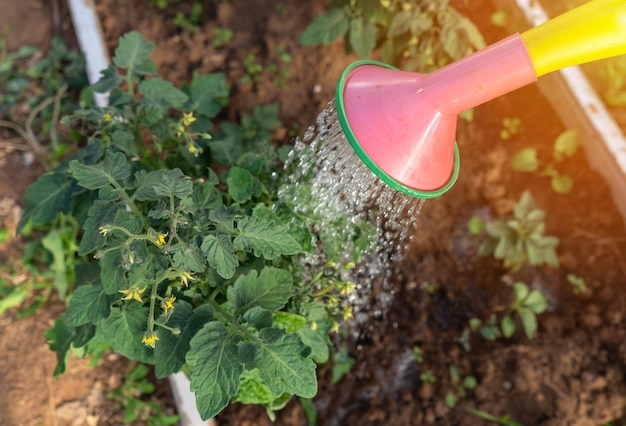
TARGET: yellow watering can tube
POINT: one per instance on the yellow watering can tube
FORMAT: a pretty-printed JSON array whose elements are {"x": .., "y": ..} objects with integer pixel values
[{"x": 592, "y": 31}]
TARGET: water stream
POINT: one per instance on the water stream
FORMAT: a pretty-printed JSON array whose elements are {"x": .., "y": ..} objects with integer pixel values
[{"x": 343, "y": 187}]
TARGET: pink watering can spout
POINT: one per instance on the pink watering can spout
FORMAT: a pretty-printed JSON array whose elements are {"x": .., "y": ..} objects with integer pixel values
[{"x": 403, "y": 125}]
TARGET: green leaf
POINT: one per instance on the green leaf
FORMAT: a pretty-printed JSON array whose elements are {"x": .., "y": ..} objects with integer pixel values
[
  {"x": 529, "y": 322},
  {"x": 108, "y": 80},
  {"x": 476, "y": 225},
  {"x": 216, "y": 370},
  {"x": 326, "y": 27},
  {"x": 562, "y": 184},
  {"x": 489, "y": 332},
  {"x": 401, "y": 24},
  {"x": 53, "y": 242},
  {"x": 171, "y": 349},
  {"x": 114, "y": 168},
  {"x": 526, "y": 160},
  {"x": 208, "y": 94},
  {"x": 362, "y": 36},
  {"x": 89, "y": 304},
  {"x": 188, "y": 257},
  {"x": 242, "y": 185},
  {"x": 112, "y": 275},
  {"x": 157, "y": 90},
  {"x": 133, "y": 51},
  {"x": 290, "y": 322},
  {"x": 258, "y": 317},
  {"x": 125, "y": 141},
  {"x": 264, "y": 238},
  {"x": 246, "y": 353},
  {"x": 282, "y": 366},
  {"x": 173, "y": 182},
  {"x": 50, "y": 195},
  {"x": 566, "y": 145},
  {"x": 100, "y": 213},
  {"x": 220, "y": 253},
  {"x": 60, "y": 339},
  {"x": 252, "y": 390},
  {"x": 520, "y": 290},
  {"x": 124, "y": 329},
  {"x": 508, "y": 326},
  {"x": 270, "y": 290},
  {"x": 536, "y": 302}
]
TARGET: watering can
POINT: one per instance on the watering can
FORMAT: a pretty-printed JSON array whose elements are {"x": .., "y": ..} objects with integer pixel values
[{"x": 403, "y": 124}]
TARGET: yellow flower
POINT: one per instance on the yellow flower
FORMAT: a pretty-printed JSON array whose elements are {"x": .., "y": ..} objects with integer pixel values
[
  {"x": 133, "y": 293},
  {"x": 347, "y": 288},
  {"x": 407, "y": 6},
  {"x": 346, "y": 313},
  {"x": 313, "y": 325},
  {"x": 192, "y": 149},
  {"x": 385, "y": 3},
  {"x": 108, "y": 117},
  {"x": 185, "y": 277},
  {"x": 188, "y": 118},
  {"x": 160, "y": 239},
  {"x": 181, "y": 129},
  {"x": 150, "y": 339},
  {"x": 104, "y": 230},
  {"x": 168, "y": 304}
]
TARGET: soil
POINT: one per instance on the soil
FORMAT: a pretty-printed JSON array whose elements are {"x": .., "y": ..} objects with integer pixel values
[{"x": 572, "y": 373}]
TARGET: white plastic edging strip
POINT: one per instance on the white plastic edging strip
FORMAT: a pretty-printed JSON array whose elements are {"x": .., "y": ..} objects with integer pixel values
[
  {"x": 586, "y": 96},
  {"x": 91, "y": 42}
]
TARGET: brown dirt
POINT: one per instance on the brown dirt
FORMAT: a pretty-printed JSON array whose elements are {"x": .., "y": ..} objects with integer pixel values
[{"x": 571, "y": 374}]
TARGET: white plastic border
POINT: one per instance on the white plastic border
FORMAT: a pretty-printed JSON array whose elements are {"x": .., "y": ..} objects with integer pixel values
[
  {"x": 87, "y": 28},
  {"x": 579, "y": 107}
]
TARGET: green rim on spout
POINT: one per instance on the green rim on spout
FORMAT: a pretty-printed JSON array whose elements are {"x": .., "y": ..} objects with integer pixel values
[{"x": 345, "y": 124}]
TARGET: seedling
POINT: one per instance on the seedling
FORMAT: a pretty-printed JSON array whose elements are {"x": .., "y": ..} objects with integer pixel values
[
  {"x": 222, "y": 36},
  {"x": 565, "y": 146},
  {"x": 130, "y": 397},
  {"x": 189, "y": 22},
  {"x": 460, "y": 387},
  {"x": 428, "y": 377},
  {"x": 518, "y": 239},
  {"x": 526, "y": 305},
  {"x": 504, "y": 420},
  {"x": 578, "y": 284},
  {"x": 418, "y": 354},
  {"x": 510, "y": 127}
]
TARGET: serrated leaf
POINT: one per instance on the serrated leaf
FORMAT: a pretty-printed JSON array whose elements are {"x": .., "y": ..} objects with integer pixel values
[
  {"x": 208, "y": 94},
  {"x": 53, "y": 242},
  {"x": 125, "y": 141},
  {"x": 124, "y": 329},
  {"x": 60, "y": 339},
  {"x": 258, "y": 317},
  {"x": 269, "y": 290},
  {"x": 132, "y": 51},
  {"x": 246, "y": 353},
  {"x": 252, "y": 390},
  {"x": 113, "y": 168},
  {"x": 50, "y": 195},
  {"x": 326, "y": 27},
  {"x": 220, "y": 253},
  {"x": 100, "y": 213},
  {"x": 242, "y": 185},
  {"x": 215, "y": 369},
  {"x": 283, "y": 368},
  {"x": 362, "y": 36},
  {"x": 525, "y": 160},
  {"x": 112, "y": 275},
  {"x": 264, "y": 238},
  {"x": 289, "y": 321},
  {"x": 108, "y": 80},
  {"x": 157, "y": 90},
  {"x": 170, "y": 352},
  {"x": 89, "y": 304},
  {"x": 173, "y": 182},
  {"x": 188, "y": 257}
]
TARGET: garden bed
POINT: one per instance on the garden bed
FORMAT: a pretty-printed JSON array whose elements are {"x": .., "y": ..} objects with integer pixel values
[{"x": 571, "y": 373}]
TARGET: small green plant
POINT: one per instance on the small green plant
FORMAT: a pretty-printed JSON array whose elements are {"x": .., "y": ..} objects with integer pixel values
[
  {"x": 518, "y": 240},
  {"x": 459, "y": 387},
  {"x": 428, "y": 377},
  {"x": 510, "y": 127},
  {"x": 504, "y": 420},
  {"x": 276, "y": 72},
  {"x": 578, "y": 284},
  {"x": 342, "y": 364},
  {"x": 418, "y": 354},
  {"x": 189, "y": 22},
  {"x": 414, "y": 36},
  {"x": 130, "y": 397},
  {"x": 565, "y": 146},
  {"x": 192, "y": 262},
  {"x": 527, "y": 304},
  {"x": 613, "y": 76},
  {"x": 222, "y": 36}
]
